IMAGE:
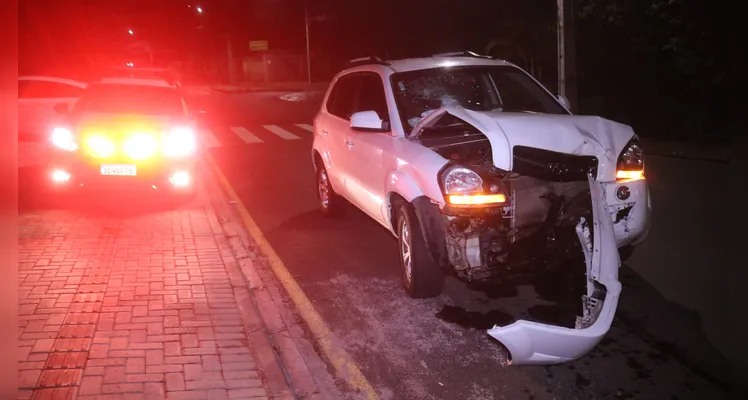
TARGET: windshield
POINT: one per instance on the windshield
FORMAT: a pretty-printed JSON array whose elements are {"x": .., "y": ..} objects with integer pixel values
[
  {"x": 499, "y": 88},
  {"x": 130, "y": 99}
]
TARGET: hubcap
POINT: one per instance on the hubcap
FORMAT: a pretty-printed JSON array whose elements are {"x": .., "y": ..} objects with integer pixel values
[
  {"x": 324, "y": 189},
  {"x": 405, "y": 250}
]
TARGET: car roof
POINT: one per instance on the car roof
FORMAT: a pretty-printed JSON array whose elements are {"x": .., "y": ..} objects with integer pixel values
[
  {"x": 52, "y": 79},
  {"x": 414, "y": 64},
  {"x": 154, "y": 82},
  {"x": 421, "y": 63}
]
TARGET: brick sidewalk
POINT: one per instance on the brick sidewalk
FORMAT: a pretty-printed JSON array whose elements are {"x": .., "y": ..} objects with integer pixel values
[{"x": 131, "y": 308}]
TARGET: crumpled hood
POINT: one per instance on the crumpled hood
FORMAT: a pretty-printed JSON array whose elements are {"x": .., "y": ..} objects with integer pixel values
[{"x": 572, "y": 134}]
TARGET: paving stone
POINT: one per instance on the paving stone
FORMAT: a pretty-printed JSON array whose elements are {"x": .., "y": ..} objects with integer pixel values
[{"x": 129, "y": 307}]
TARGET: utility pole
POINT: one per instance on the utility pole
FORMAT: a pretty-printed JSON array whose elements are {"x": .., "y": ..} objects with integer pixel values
[
  {"x": 308, "y": 57},
  {"x": 567, "y": 54},
  {"x": 230, "y": 59},
  {"x": 561, "y": 47}
]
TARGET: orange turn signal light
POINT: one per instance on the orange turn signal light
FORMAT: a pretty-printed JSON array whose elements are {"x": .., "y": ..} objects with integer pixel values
[
  {"x": 630, "y": 175},
  {"x": 476, "y": 199}
]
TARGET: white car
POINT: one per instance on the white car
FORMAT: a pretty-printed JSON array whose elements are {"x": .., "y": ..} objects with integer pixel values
[
  {"x": 477, "y": 168},
  {"x": 37, "y": 97}
]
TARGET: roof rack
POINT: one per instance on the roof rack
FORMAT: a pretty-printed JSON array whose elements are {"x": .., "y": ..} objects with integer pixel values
[
  {"x": 464, "y": 54},
  {"x": 367, "y": 61}
]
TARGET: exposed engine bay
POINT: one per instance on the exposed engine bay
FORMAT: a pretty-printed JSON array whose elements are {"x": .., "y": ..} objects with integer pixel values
[
  {"x": 548, "y": 195},
  {"x": 544, "y": 223}
]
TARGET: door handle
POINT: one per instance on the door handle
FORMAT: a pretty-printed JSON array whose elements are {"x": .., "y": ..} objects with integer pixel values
[
  {"x": 351, "y": 145},
  {"x": 324, "y": 133}
]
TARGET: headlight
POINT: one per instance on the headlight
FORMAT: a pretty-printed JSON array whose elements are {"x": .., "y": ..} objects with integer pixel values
[
  {"x": 180, "y": 142},
  {"x": 464, "y": 187},
  {"x": 63, "y": 138},
  {"x": 631, "y": 161},
  {"x": 461, "y": 180}
]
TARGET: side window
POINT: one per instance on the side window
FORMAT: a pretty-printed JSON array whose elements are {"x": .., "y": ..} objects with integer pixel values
[
  {"x": 47, "y": 90},
  {"x": 371, "y": 96},
  {"x": 343, "y": 96}
]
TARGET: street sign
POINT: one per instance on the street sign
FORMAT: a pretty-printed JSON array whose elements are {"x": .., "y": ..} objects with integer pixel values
[{"x": 258, "y": 45}]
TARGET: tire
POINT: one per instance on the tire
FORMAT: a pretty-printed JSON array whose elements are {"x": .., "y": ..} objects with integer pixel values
[
  {"x": 421, "y": 276},
  {"x": 330, "y": 203},
  {"x": 625, "y": 252}
]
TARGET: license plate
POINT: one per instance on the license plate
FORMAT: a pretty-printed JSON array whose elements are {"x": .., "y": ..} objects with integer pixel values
[{"x": 122, "y": 170}]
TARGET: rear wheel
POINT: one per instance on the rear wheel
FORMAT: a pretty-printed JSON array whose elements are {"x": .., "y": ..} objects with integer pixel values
[
  {"x": 329, "y": 202},
  {"x": 421, "y": 276}
]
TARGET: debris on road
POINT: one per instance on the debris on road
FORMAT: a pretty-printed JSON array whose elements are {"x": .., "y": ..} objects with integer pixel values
[{"x": 294, "y": 97}]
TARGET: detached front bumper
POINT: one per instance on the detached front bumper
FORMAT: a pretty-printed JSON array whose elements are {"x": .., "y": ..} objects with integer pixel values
[
  {"x": 531, "y": 343},
  {"x": 630, "y": 209}
]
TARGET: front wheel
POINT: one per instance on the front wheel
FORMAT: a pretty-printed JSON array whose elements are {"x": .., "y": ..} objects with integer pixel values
[
  {"x": 421, "y": 276},
  {"x": 329, "y": 202}
]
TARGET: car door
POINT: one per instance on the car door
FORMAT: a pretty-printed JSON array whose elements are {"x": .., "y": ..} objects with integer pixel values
[
  {"x": 334, "y": 126},
  {"x": 365, "y": 183},
  {"x": 37, "y": 97}
]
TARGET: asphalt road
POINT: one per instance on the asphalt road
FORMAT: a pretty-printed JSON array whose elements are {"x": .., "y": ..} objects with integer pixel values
[{"x": 437, "y": 348}]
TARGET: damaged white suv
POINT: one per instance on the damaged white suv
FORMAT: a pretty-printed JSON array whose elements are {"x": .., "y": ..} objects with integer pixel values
[{"x": 477, "y": 168}]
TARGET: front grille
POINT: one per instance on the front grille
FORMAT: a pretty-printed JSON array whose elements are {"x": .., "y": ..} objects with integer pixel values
[{"x": 553, "y": 166}]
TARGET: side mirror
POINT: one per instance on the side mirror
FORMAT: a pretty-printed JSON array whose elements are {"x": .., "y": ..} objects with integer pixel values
[
  {"x": 61, "y": 108},
  {"x": 367, "y": 121},
  {"x": 564, "y": 101}
]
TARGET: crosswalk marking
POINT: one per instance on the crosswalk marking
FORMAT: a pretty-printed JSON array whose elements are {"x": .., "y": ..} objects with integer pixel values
[
  {"x": 245, "y": 135},
  {"x": 281, "y": 132},
  {"x": 209, "y": 138},
  {"x": 306, "y": 126}
]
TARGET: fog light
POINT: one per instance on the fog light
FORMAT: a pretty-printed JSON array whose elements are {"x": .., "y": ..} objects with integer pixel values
[
  {"x": 59, "y": 175},
  {"x": 180, "y": 179},
  {"x": 623, "y": 193}
]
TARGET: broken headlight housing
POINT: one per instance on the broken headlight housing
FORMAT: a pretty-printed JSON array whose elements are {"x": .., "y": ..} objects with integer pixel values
[
  {"x": 464, "y": 187},
  {"x": 630, "y": 164}
]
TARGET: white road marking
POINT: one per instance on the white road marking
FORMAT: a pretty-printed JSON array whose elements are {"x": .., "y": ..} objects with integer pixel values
[
  {"x": 245, "y": 135},
  {"x": 209, "y": 139},
  {"x": 281, "y": 132},
  {"x": 306, "y": 126}
]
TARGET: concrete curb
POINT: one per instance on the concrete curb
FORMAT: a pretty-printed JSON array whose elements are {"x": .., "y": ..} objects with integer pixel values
[
  {"x": 271, "y": 371},
  {"x": 285, "y": 356}
]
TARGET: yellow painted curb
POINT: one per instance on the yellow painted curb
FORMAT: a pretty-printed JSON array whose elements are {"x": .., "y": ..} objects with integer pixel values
[{"x": 340, "y": 359}]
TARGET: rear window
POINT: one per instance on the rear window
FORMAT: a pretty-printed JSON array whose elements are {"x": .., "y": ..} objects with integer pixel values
[{"x": 130, "y": 99}]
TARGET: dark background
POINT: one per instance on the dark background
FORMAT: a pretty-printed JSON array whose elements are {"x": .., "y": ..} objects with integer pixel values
[{"x": 668, "y": 67}]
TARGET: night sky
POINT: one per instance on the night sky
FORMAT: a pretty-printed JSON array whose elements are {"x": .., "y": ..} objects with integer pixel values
[
  {"x": 641, "y": 62},
  {"x": 58, "y": 31}
]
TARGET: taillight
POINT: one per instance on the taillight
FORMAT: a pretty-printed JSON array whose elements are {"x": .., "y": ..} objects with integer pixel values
[
  {"x": 63, "y": 138},
  {"x": 180, "y": 142}
]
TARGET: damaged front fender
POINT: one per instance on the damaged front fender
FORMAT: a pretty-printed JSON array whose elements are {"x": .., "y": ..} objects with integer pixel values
[{"x": 532, "y": 343}]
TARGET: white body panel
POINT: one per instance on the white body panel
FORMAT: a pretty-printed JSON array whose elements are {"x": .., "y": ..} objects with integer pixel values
[
  {"x": 367, "y": 168},
  {"x": 37, "y": 115}
]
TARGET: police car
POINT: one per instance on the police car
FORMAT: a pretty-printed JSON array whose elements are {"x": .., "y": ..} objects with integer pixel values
[{"x": 123, "y": 132}]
